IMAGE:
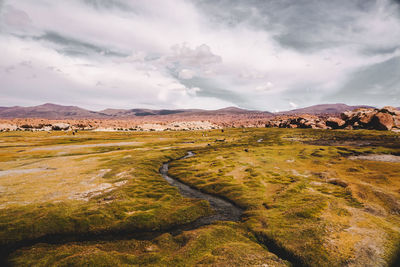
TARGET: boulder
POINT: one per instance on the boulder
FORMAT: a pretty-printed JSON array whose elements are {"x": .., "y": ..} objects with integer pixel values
[
  {"x": 347, "y": 115},
  {"x": 359, "y": 118},
  {"x": 365, "y": 118},
  {"x": 320, "y": 125},
  {"x": 335, "y": 123},
  {"x": 60, "y": 126},
  {"x": 382, "y": 121},
  {"x": 309, "y": 124},
  {"x": 390, "y": 110},
  {"x": 396, "y": 121}
]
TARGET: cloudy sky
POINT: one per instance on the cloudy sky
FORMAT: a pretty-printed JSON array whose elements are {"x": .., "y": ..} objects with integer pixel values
[{"x": 255, "y": 54}]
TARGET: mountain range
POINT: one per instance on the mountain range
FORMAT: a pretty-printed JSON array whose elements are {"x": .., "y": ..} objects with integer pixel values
[
  {"x": 323, "y": 109},
  {"x": 53, "y": 111}
]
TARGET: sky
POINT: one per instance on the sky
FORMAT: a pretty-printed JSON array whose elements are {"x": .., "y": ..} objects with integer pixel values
[{"x": 255, "y": 54}]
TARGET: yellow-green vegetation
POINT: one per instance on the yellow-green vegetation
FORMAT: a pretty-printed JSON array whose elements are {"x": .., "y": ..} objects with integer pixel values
[
  {"x": 66, "y": 184},
  {"x": 223, "y": 244},
  {"x": 305, "y": 194}
]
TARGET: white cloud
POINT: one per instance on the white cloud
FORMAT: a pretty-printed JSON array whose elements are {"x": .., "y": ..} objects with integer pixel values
[
  {"x": 266, "y": 87},
  {"x": 193, "y": 91},
  {"x": 199, "y": 56},
  {"x": 293, "y": 105},
  {"x": 186, "y": 74}
]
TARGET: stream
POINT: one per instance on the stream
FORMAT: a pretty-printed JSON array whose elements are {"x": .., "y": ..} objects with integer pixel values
[{"x": 224, "y": 210}]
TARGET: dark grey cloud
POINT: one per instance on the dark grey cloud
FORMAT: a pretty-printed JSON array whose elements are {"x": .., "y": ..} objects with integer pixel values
[
  {"x": 299, "y": 24},
  {"x": 380, "y": 51},
  {"x": 74, "y": 47},
  {"x": 379, "y": 83},
  {"x": 210, "y": 88}
]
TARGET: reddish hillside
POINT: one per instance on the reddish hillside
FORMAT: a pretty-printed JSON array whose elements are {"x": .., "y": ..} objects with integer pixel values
[
  {"x": 48, "y": 111},
  {"x": 322, "y": 109},
  {"x": 52, "y": 111}
]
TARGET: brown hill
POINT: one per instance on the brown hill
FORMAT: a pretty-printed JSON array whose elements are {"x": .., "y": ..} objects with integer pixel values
[
  {"x": 229, "y": 111},
  {"x": 53, "y": 111},
  {"x": 322, "y": 109},
  {"x": 142, "y": 112},
  {"x": 48, "y": 111}
]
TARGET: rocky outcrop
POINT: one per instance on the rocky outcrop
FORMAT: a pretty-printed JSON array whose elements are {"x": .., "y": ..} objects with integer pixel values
[
  {"x": 304, "y": 121},
  {"x": 359, "y": 117},
  {"x": 387, "y": 118}
]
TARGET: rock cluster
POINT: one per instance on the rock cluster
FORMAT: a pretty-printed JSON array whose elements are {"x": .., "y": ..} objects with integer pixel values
[
  {"x": 387, "y": 118},
  {"x": 303, "y": 121}
]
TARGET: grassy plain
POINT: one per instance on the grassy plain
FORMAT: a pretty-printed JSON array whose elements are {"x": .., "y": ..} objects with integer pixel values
[{"x": 66, "y": 199}]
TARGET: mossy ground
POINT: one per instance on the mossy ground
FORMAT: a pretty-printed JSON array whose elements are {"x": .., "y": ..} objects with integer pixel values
[
  {"x": 222, "y": 244},
  {"x": 299, "y": 189},
  {"x": 302, "y": 192}
]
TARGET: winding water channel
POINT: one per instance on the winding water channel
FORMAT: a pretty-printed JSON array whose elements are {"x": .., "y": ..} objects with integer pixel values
[{"x": 224, "y": 210}]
